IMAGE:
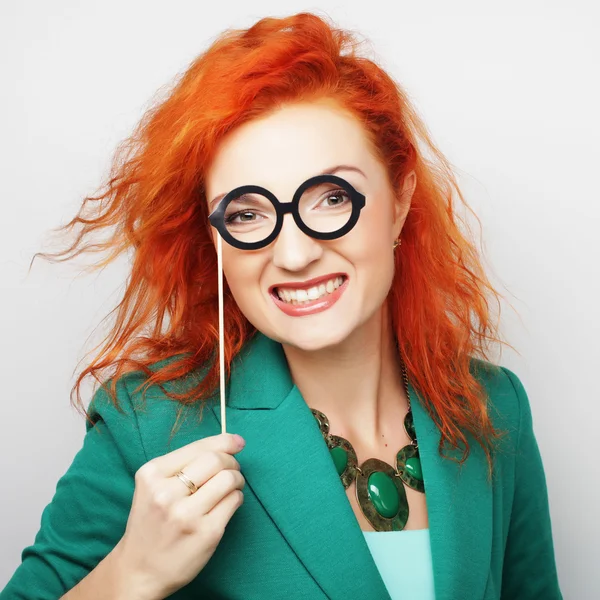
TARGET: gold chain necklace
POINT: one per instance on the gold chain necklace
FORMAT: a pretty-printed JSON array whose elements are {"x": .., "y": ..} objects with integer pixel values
[{"x": 379, "y": 487}]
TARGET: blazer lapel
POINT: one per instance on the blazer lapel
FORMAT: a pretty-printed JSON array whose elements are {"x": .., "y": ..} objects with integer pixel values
[
  {"x": 285, "y": 460},
  {"x": 460, "y": 510},
  {"x": 286, "y": 463}
]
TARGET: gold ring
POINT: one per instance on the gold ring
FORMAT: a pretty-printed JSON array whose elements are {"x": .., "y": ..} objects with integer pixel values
[{"x": 188, "y": 482}]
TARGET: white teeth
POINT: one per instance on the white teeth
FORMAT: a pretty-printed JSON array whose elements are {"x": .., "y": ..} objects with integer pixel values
[{"x": 313, "y": 293}]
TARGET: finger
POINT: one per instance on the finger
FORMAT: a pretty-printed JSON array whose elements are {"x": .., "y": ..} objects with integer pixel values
[
  {"x": 201, "y": 469},
  {"x": 214, "y": 490},
  {"x": 168, "y": 464},
  {"x": 221, "y": 514}
]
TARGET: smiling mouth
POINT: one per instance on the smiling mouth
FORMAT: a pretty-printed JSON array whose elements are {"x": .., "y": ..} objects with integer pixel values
[{"x": 305, "y": 296}]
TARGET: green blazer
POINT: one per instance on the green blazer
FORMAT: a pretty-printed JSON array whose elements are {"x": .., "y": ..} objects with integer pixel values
[{"x": 295, "y": 536}]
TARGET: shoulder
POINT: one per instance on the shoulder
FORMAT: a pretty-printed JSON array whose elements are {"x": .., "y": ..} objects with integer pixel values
[
  {"x": 132, "y": 391},
  {"x": 144, "y": 419},
  {"x": 507, "y": 399}
]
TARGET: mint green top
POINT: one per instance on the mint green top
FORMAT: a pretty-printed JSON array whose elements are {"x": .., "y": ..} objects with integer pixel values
[{"x": 404, "y": 562}]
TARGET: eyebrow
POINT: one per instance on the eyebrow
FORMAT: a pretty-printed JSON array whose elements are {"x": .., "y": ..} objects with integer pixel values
[{"x": 330, "y": 171}]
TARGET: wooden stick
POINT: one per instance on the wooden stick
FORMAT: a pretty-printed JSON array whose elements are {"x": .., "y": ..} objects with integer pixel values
[{"x": 221, "y": 333}]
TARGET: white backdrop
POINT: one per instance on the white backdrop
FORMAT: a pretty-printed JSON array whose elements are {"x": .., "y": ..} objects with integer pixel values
[{"x": 510, "y": 93}]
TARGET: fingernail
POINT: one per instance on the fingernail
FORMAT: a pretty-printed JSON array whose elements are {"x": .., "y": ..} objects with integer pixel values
[{"x": 241, "y": 442}]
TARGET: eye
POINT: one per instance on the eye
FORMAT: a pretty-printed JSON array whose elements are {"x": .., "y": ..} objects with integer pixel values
[
  {"x": 246, "y": 216},
  {"x": 339, "y": 196}
]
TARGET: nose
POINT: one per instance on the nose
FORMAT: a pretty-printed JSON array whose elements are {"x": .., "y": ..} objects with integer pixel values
[{"x": 293, "y": 250}]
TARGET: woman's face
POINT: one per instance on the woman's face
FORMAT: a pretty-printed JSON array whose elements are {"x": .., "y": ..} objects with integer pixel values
[{"x": 272, "y": 285}]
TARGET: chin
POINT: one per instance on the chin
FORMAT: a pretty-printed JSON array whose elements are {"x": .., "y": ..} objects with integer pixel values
[{"x": 310, "y": 339}]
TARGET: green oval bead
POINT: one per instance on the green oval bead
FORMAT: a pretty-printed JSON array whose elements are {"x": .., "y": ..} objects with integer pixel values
[
  {"x": 383, "y": 494},
  {"x": 409, "y": 425},
  {"x": 340, "y": 458},
  {"x": 413, "y": 467}
]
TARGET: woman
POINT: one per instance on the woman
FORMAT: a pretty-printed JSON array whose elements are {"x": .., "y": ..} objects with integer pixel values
[{"x": 382, "y": 457}]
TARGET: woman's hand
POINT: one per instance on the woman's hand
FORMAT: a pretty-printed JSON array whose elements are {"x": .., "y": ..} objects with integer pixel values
[{"x": 171, "y": 532}]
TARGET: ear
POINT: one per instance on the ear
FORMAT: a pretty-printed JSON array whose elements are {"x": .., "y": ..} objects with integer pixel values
[{"x": 403, "y": 201}]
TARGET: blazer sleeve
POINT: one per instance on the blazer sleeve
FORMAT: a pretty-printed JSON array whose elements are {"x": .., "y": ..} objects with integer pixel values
[
  {"x": 529, "y": 571},
  {"x": 89, "y": 511}
]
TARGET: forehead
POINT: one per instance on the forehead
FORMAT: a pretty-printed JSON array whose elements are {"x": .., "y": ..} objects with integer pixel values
[{"x": 288, "y": 146}]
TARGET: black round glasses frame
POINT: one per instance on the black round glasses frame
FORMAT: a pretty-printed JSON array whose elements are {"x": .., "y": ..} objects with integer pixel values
[{"x": 217, "y": 217}]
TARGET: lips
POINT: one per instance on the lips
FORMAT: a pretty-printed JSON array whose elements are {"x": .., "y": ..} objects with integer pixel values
[
  {"x": 305, "y": 285},
  {"x": 311, "y": 307}
]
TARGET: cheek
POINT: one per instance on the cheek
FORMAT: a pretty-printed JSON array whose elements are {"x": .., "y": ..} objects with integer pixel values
[
  {"x": 243, "y": 274},
  {"x": 373, "y": 255},
  {"x": 372, "y": 237}
]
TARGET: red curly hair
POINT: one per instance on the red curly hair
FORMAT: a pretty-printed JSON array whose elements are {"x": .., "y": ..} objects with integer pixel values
[{"x": 154, "y": 204}]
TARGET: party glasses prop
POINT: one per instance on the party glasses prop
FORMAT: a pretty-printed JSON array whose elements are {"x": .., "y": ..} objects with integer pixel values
[{"x": 324, "y": 207}]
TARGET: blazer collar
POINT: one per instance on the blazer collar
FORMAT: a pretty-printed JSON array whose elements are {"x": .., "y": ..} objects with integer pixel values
[
  {"x": 286, "y": 463},
  {"x": 260, "y": 377}
]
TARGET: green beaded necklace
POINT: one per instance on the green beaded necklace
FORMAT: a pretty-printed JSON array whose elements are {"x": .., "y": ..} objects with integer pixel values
[{"x": 379, "y": 487}]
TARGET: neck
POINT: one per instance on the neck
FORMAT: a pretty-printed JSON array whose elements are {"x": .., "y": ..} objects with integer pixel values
[{"x": 357, "y": 383}]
